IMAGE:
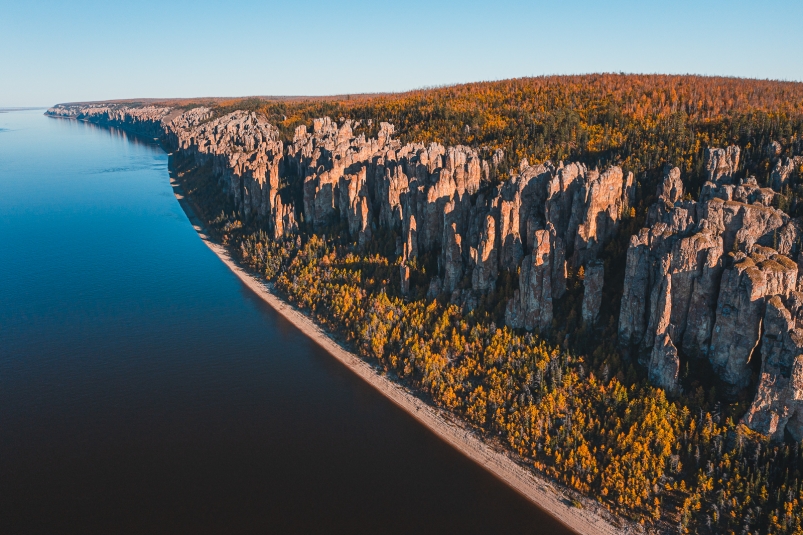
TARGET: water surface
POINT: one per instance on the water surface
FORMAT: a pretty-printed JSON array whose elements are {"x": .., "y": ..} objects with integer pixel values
[{"x": 145, "y": 389}]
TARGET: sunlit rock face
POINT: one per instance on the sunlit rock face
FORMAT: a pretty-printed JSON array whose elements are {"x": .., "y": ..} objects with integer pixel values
[
  {"x": 437, "y": 199},
  {"x": 711, "y": 278},
  {"x": 714, "y": 278}
]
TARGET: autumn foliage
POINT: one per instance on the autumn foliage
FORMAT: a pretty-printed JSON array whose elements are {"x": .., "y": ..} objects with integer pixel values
[{"x": 579, "y": 414}]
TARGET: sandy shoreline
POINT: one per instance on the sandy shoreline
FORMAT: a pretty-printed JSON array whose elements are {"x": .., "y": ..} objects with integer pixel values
[{"x": 546, "y": 495}]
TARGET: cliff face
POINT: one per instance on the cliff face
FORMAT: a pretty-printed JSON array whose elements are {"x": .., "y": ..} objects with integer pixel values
[
  {"x": 778, "y": 405},
  {"x": 438, "y": 199},
  {"x": 709, "y": 278},
  {"x": 714, "y": 278}
]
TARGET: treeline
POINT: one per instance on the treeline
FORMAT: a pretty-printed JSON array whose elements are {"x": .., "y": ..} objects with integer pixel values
[
  {"x": 570, "y": 404},
  {"x": 637, "y": 121}
]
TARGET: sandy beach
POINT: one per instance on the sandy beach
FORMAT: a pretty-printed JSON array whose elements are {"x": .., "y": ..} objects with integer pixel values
[{"x": 589, "y": 519}]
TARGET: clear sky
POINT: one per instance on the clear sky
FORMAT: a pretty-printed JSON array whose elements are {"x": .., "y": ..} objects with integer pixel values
[{"x": 60, "y": 51}]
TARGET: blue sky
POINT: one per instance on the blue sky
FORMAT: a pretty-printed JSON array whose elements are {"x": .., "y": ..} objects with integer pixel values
[{"x": 90, "y": 50}]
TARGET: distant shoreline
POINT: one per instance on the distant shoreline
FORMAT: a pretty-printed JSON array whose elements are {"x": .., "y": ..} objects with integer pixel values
[
  {"x": 11, "y": 109},
  {"x": 546, "y": 495}
]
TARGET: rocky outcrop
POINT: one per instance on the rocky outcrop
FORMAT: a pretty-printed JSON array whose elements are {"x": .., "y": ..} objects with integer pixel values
[
  {"x": 429, "y": 196},
  {"x": 531, "y": 306},
  {"x": 699, "y": 262},
  {"x": 411, "y": 242},
  {"x": 722, "y": 164},
  {"x": 486, "y": 258},
  {"x": 245, "y": 153},
  {"x": 675, "y": 246},
  {"x": 453, "y": 259},
  {"x": 740, "y": 309},
  {"x": 778, "y": 405},
  {"x": 404, "y": 274},
  {"x": 711, "y": 277},
  {"x": 243, "y": 149},
  {"x": 568, "y": 212},
  {"x": 671, "y": 188},
  {"x": 592, "y": 292},
  {"x": 284, "y": 219},
  {"x": 633, "y": 310},
  {"x": 660, "y": 305},
  {"x": 664, "y": 365},
  {"x": 596, "y": 212},
  {"x": 784, "y": 169},
  {"x": 670, "y": 209},
  {"x": 511, "y": 246}
]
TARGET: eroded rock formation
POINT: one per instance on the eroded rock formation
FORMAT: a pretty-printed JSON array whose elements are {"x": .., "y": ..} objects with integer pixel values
[
  {"x": 531, "y": 306},
  {"x": 778, "y": 405},
  {"x": 664, "y": 364},
  {"x": 592, "y": 292},
  {"x": 714, "y": 278},
  {"x": 710, "y": 277},
  {"x": 544, "y": 218}
]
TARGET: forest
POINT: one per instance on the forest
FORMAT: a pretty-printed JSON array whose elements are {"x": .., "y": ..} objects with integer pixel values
[{"x": 569, "y": 401}]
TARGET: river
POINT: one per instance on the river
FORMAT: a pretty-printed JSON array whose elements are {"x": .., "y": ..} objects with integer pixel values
[{"x": 145, "y": 389}]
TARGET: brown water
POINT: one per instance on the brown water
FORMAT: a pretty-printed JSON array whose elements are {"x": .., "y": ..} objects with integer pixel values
[{"x": 144, "y": 389}]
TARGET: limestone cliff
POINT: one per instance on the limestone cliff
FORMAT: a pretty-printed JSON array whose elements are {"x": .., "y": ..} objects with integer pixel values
[
  {"x": 437, "y": 199},
  {"x": 714, "y": 278},
  {"x": 700, "y": 278}
]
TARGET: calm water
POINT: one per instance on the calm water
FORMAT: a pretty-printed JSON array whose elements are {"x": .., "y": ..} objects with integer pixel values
[{"x": 144, "y": 389}]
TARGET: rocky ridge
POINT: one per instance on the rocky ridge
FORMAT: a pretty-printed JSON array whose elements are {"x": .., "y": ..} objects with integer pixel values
[
  {"x": 546, "y": 219},
  {"x": 714, "y": 278}
]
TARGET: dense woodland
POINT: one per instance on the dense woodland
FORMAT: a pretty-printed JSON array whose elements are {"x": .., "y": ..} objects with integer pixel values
[{"x": 570, "y": 403}]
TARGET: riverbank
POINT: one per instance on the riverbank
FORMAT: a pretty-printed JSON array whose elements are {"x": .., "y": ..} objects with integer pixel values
[{"x": 589, "y": 518}]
